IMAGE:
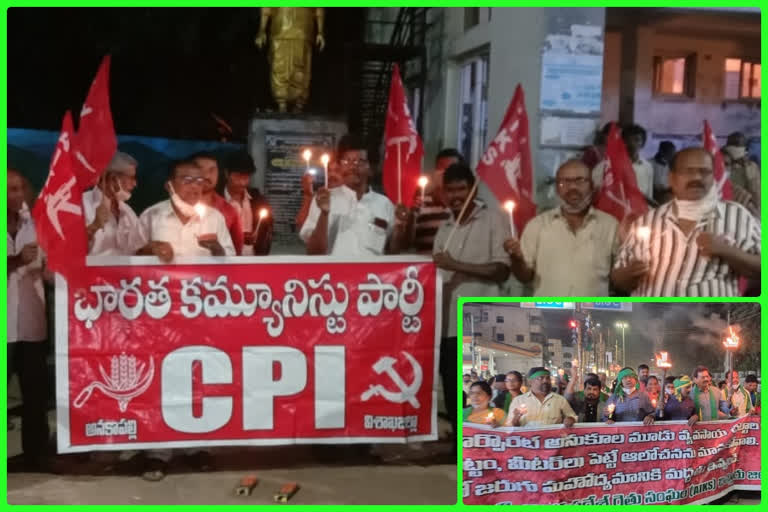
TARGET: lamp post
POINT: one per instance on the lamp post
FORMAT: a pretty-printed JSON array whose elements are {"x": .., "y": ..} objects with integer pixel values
[{"x": 623, "y": 326}]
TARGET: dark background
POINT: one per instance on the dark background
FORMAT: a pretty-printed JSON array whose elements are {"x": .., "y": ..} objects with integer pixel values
[{"x": 171, "y": 67}]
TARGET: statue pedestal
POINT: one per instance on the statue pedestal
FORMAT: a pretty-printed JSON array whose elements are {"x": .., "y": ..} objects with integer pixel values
[{"x": 276, "y": 143}]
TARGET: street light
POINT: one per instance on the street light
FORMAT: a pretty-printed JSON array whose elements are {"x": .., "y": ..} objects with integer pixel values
[{"x": 623, "y": 326}]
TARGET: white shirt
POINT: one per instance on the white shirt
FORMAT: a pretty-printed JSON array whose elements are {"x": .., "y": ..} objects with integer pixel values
[
  {"x": 159, "y": 223},
  {"x": 351, "y": 231},
  {"x": 116, "y": 237},
  {"x": 644, "y": 174},
  {"x": 246, "y": 216},
  {"x": 26, "y": 298}
]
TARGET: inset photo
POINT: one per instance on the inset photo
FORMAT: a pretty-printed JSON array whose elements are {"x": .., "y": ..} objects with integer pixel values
[{"x": 611, "y": 403}]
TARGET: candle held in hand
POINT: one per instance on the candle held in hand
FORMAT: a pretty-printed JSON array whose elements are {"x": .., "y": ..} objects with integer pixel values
[
  {"x": 423, "y": 184},
  {"x": 510, "y": 207},
  {"x": 325, "y": 159}
]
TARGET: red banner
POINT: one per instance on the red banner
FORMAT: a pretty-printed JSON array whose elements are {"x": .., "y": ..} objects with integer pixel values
[
  {"x": 619, "y": 464},
  {"x": 247, "y": 354},
  {"x": 619, "y": 194}
]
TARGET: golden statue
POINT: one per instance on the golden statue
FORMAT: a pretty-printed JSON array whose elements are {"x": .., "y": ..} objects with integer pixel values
[{"x": 291, "y": 35}]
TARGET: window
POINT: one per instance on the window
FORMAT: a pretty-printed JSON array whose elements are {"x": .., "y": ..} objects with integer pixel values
[
  {"x": 485, "y": 316},
  {"x": 742, "y": 79},
  {"x": 473, "y": 108},
  {"x": 674, "y": 76},
  {"x": 499, "y": 319},
  {"x": 471, "y": 17},
  {"x": 567, "y": 355},
  {"x": 520, "y": 338},
  {"x": 499, "y": 336}
]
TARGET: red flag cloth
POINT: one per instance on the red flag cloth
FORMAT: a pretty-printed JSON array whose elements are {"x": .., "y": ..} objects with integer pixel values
[
  {"x": 58, "y": 212},
  {"x": 506, "y": 165},
  {"x": 619, "y": 195},
  {"x": 96, "y": 139},
  {"x": 404, "y": 150},
  {"x": 722, "y": 180}
]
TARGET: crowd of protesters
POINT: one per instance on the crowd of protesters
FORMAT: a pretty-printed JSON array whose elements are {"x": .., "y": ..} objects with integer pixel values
[{"x": 545, "y": 399}]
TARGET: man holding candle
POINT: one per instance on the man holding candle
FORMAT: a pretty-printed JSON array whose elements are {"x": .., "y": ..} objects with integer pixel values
[
  {"x": 247, "y": 203},
  {"x": 628, "y": 402},
  {"x": 567, "y": 251},
  {"x": 540, "y": 406},
  {"x": 473, "y": 263},
  {"x": 210, "y": 166},
  {"x": 352, "y": 220},
  {"x": 750, "y": 383},
  {"x": 308, "y": 190},
  {"x": 429, "y": 206},
  {"x": 176, "y": 228},
  {"x": 695, "y": 245}
]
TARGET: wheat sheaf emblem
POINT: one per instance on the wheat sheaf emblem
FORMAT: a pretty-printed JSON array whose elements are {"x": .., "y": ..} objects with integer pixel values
[{"x": 127, "y": 380}]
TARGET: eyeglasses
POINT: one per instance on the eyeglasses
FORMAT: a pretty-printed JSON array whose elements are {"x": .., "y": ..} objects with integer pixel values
[
  {"x": 579, "y": 182},
  {"x": 510, "y": 380},
  {"x": 354, "y": 162},
  {"x": 194, "y": 180},
  {"x": 693, "y": 171}
]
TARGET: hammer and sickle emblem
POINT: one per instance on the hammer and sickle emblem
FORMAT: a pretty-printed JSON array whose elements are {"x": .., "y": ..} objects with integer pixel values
[{"x": 407, "y": 392}]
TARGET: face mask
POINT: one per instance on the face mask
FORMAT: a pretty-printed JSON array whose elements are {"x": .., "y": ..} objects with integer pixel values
[
  {"x": 583, "y": 205},
  {"x": 695, "y": 210},
  {"x": 628, "y": 391},
  {"x": 670, "y": 391},
  {"x": 736, "y": 152},
  {"x": 121, "y": 194},
  {"x": 186, "y": 209}
]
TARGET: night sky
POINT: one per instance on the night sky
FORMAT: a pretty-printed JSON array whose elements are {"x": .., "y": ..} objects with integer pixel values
[{"x": 171, "y": 67}]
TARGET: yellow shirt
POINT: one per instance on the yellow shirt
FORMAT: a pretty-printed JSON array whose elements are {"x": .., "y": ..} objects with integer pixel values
[
  {"x": 482, "y": 416},
  {"x": 552, "y": 411}
]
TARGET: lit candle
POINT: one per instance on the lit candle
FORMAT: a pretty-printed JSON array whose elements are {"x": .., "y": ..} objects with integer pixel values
[
  {"x": 262, "y": 215},
  {"x": 307, "y": 157},
  {"x": 653, "y": 402},
  {"x": 423, "y": 184},
  {"x": 510, "y": 207},
  {"x": 611, "y": 408},
  {"x": 325, "y": 159},
  {"x": 489, "y": 419},
  {"x": 644, "y": 236},
  {"x": 523, "y": 409},
  {"x": 200, "y": 211}
]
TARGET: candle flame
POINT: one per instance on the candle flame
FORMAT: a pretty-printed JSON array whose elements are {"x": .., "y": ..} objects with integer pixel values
[
  {"x": 423, "y": 181},
  {"x": 307, "y": 154},
  {"x": 325, "y": 158},
  {"x": 200, "y": 210},
  {"x": 509, "y": 206},
  {"x": 611, "y": 407},
  {"x": 312, "y": 171},
  {"x": 263, "y": 213},
  {"x": 643, "y": 232}
]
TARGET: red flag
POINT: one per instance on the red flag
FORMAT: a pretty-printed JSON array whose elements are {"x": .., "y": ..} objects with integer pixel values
[
  {"x": 506, "y": 165},
  {"x": 96, "y": 139},
  {"x": 404, "y": 150},
  {"x": 619, "y": 194},
  {"x": 722, "y": 180},
  {"x": 58, "y": 212}
]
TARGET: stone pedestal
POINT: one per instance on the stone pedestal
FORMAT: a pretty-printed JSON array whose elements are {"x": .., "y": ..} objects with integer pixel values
[{"x": 276, "y": 144}]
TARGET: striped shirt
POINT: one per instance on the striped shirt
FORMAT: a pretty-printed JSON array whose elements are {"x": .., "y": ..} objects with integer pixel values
[
  {"x": 678, "y": 269},
  {"x": 429, "y": 218}
]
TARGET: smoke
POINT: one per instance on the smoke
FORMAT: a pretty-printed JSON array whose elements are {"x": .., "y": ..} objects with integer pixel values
[{"x": 675, "y": 322}]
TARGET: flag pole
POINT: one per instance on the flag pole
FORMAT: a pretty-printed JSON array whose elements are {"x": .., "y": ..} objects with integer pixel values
[
  {"x": 399, "y": 176},
  {"x": 461, "y": 215}
]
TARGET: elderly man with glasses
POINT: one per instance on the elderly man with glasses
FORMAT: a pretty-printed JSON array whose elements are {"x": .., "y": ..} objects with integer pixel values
[
  {"x": 183, "y": 225},
  {"x": 569, "y": 250}
]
